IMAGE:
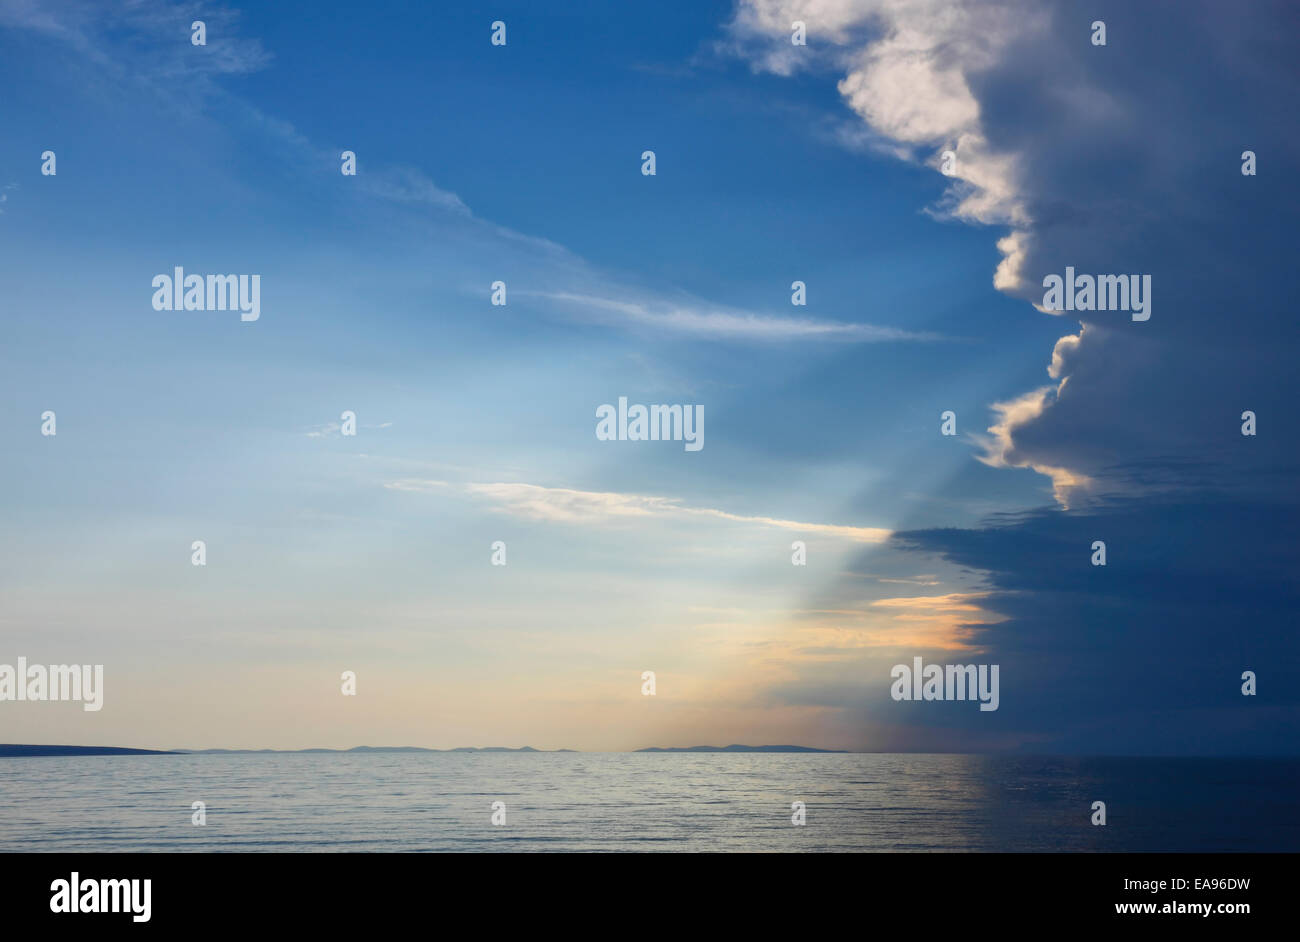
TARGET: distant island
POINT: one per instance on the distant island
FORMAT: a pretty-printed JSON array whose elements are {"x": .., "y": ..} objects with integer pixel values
[
  {"x": 736, "y": 748},
  {"x": 17, "y": 750},
  {"x": 233, "y": 752},
  {"x": 12, "y": 750}
]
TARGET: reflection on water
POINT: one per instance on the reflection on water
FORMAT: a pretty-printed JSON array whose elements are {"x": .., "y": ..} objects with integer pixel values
[{"x": 630, "y": 802}]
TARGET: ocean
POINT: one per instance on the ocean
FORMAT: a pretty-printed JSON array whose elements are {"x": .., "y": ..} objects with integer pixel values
[{"x": 645, "y": 802}]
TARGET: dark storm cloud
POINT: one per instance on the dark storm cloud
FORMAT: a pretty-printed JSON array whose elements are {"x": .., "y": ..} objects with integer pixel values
[
  {"x": 1129, "y": 161},
  {"x": 1145, "y": 653}
]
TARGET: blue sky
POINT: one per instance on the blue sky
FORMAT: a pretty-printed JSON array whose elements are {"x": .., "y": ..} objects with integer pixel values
[{"x": 522, "y": 163}]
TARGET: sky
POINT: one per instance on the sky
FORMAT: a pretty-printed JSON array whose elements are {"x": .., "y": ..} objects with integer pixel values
[{"x": 476, "y": 423}]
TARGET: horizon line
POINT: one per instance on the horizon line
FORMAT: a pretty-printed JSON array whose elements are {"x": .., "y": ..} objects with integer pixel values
[{"x": 11, "y": 750}]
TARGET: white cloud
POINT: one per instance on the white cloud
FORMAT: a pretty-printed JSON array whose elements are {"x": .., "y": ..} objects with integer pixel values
[
  {"x": 1000, "y": 448},
  {"x": 699, "y": 317},
  {"x": 908, "y": 65},
  {"x": 566, "y": 505},
  {"x": 1089, "y": 165}
]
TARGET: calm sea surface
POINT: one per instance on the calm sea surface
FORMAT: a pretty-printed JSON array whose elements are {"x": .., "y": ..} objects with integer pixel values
[{"x": 645, "y": 802}]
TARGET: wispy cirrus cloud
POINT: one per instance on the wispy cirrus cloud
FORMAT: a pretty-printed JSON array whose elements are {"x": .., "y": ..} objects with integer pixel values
[
  {"x": 153, "y": 36},
  {"x": 150, "y": 41},
  {"x": 567, "y": 505},
  {"x": 702, "y": 318}
]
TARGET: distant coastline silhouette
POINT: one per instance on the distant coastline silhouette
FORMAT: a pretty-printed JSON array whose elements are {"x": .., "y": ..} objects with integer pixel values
[{"x": 12, "y": 750}]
